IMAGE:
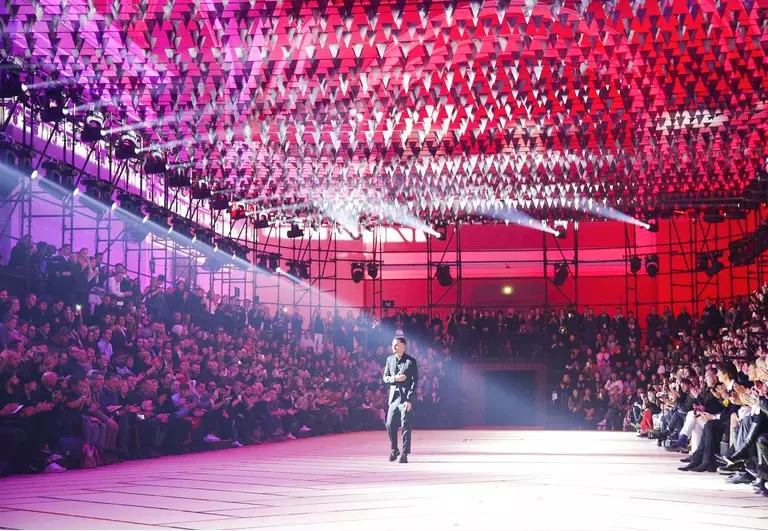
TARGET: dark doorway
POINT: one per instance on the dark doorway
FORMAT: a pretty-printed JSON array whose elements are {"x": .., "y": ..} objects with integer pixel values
[{"x": 510, "y": 398}]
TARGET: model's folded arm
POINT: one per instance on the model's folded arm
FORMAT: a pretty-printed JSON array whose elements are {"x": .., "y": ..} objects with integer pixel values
[
  {"x": 388, "y": 378},
  {"x": 414, "y": 383}
]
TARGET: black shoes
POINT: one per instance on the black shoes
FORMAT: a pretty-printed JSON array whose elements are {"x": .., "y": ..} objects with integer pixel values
[
  {"x": 403, "y": 458},
  {"x": 742, "y": 478},
  {"x": 393, "y": 455}
]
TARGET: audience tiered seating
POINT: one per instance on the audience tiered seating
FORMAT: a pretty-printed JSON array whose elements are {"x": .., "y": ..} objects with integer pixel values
[{"x": 95, "y": 370}]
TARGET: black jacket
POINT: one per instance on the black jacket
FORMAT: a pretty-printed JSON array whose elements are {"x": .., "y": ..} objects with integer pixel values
[{"x": 405, "y": 390}]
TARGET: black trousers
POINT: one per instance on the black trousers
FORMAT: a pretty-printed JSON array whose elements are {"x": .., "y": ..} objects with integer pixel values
[{"x": 397, "y": 416}]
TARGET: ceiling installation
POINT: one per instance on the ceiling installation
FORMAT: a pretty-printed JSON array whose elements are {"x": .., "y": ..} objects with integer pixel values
[{"x": 440, "y": 110}]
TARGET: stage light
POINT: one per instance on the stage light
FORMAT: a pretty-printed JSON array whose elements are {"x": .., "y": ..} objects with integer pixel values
[
  {"x": 715, "y": 268},
  {"x": 161, "y": 217},
  {"x": 443, "y": 275},
  {"x": 702, "y": 262},
  {"x": 11, "y": 86},
  {"x": 200, "y": 191},
  {"x": 357, "y": 272},
  {"x": 183, "y": 227},
  {"x": 274, "y": 262},
  {"x": 100, "y": 191},
  {"x": 635, "y": 264},
  {"x": 304, "y": 270},
  {"x": 178, "y": 177},
  {"x": 507, "y": 290},
  {"x": 156, "y": 163},
  {"x": 51, "y": 102},
  {"x": 652, "y": 265},
  {"x": 93, "y": 126},
  {"x": 131, "y": 204},
  {"x": 205, "y": 236},
  {"x": 652, "y": 225},
  {"x": 562, "y": 232},
  {"x": 242, "y": 253},
  {"x": 61, "y": 174},
  {"x": 18, "y": 159},
  {"x": 237, "y": 212},
  {"x": 263, "y": 265},
  {"x": 736, "y": 213},
  {"x": 127, "y": 145},
  {"x": 561, "y": 273},
  {"x": 441, "y": 228},
  {"x": 295, "y": 231},
  {"x": 373, "y": 270},
  {"x": 292, "y": 268},
  {"x": 219, "y": 202},
  {"x": 713, "y": 215}
]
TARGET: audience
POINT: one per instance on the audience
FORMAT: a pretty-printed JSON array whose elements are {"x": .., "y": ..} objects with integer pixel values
[
  {"x": 692, "y": 385},
  {"x": 93, "y": 370}
]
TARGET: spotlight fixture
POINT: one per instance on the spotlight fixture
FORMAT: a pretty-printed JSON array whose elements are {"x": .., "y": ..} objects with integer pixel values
[
  {"x": 357, "y": 272},
  {"x": 200, "y": 190},
  {"x": 51, "y": 102},
  {"x": 713, "y": 215},
  {"x": 130, "y": 204},
  {"x": 652, "y": 265},
  {"x": 635, "y": 264},
  {"x": 441, "y": 228},
  {"x": 155, "y": 163},
  {"x": 373, "y": 269},
  {"x": 304, "y": 270},
  {"x": 93, "y": 126},
  {"x": 274, "y": 262},
  {"x": 263, "y": 264},
  {"x": 10, "y": 80},
  {"x": 61, "y": 174},
  {"x": 178, "y": 177},
  {"x": 653, "y": 225},
  {"x": 293, "y": 269},
  {"x": 182, "y": 227},
  {"x": 562, "y": 232},
  {"x": 561, "y": 273},
  {"x": 204, "y": 237},
  {"x": 161, "y": 217},
  {"x": 99, "y": 190},
  {"x": 295, "y": 231},
  {"x": 241, "y": 255},
  {"x": 237, "y": 212},
  {"x": 443, "y": 275},
  {"x": 715, "y": 268},
  {"x": 219, "y": 202},
  {"x": 702, "y": 262},
  {"x": 15, "y": 157},
  {"x": 127, "y": 145}
]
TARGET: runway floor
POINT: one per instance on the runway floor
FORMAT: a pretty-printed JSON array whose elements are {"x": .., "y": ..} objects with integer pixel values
[{"x": 463, "y": 479}]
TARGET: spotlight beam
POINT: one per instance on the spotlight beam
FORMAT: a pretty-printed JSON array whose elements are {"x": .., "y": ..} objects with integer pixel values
[{"x": 510, "y": 215}]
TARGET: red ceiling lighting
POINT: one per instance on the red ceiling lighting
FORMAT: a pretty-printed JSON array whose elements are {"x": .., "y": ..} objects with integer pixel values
[{"x": 450, "y": 109}]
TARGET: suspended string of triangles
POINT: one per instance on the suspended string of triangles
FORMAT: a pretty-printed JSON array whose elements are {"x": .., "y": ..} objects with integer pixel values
[{"x": 451, "y": 108}]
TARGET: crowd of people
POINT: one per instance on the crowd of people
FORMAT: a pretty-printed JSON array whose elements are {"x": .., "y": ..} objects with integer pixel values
[
  {"x": 96, "y": 369},
  {"x": 692, "y": 384}
]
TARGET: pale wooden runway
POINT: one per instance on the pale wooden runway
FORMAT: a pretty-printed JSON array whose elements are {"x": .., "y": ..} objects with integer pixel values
[{"x": 464, "y": 479}]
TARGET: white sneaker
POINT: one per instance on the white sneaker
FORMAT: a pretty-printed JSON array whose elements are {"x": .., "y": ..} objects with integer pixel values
[
  {"x": 237, "y": 444},
  {"x": 211, "y": 438},
  {"x": 290, "y": 436},
  {"x": 54, "y": 468}
]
